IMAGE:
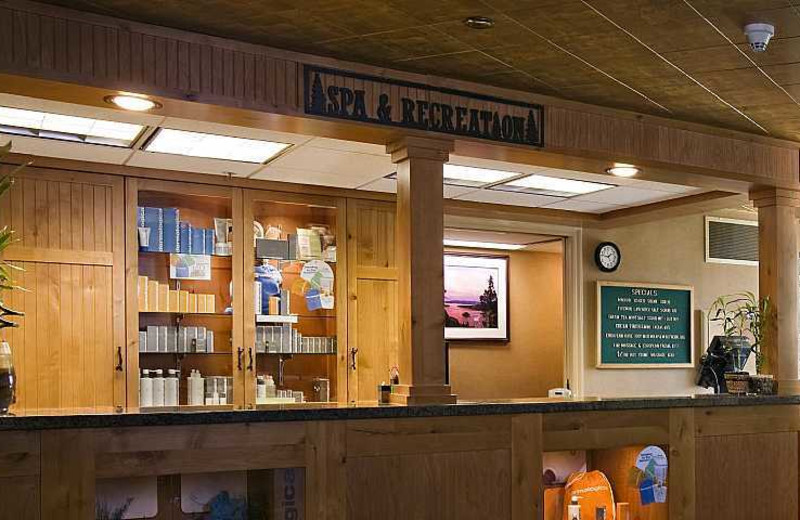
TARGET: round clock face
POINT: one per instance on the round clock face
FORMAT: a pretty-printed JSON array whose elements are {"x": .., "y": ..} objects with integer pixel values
[{"x": 607, "y": 256}]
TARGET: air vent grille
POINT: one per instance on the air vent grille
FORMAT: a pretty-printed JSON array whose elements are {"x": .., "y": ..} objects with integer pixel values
[{"x": 731, "y": 241}]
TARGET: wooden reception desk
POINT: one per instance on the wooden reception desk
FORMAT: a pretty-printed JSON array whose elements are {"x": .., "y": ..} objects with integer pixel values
[{"x": 729, "y": 458}]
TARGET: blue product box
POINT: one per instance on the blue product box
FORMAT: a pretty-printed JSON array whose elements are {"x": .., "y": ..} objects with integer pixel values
[
  {"x": 209, "y": 243},
  {"x": 171, "y": 230},
  {"x": 198, "y": 241},
  {"x": 153, "y": 220},
  {"x": 185, "y": 240}
]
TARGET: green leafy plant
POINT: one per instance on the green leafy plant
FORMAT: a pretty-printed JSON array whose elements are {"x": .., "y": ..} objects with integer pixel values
[
  {"x": 6, "y": 233},
  {"x": 743, "y": 314},
  {"x": 104, "y": 512}
]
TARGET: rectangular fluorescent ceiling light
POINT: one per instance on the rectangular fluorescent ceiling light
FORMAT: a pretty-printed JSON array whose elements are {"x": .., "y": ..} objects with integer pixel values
[
  {"x": 483, "y": 245},
  {"x": 470, "y": 176},
  {"x": 553, "y": 186},
  {"x": 30, "y": 123},
  {"x": 213, "y": 146}
]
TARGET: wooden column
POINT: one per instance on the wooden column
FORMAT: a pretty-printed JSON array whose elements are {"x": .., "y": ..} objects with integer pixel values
[
  {"x": 777, "y": 278},
  {"x": 420, "y": 231}
]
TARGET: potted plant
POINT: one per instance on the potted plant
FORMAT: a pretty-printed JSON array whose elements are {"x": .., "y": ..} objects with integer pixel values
[
  {"x": 7, "y": 377},
  {"x": 744, "y": 319}
]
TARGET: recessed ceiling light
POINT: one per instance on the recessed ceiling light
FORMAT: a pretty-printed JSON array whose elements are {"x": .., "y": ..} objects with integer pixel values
[
  {"x": 31, "y": 123},
  {"x": 483, "y": 245},
  {"x": 479, "y": 22},
  {"x": 470, "y": 176},
  {"x": 623, "y": 170},
  {"x": 134, "y": 102},
  {"x": 213, "y": 146},
  {"x": 553, "y": 186}
]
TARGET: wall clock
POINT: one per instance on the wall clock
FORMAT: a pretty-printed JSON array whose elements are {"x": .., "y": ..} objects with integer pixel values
[{"x": 607, "y": 257}]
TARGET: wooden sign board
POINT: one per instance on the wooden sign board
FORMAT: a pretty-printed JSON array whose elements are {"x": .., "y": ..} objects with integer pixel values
[
  {"x": 371, "y": 99},
  {"x": 644, "y": 325}
]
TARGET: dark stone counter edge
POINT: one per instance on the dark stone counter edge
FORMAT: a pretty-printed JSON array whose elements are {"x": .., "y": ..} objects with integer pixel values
[{"x": 48, "y": 422}]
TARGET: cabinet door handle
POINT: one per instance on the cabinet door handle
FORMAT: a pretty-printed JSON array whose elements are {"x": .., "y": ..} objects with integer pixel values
[
  {"x": 250, "y": 359},
  {"x": 118, "y": 368},
  {"x": 239, "y": 353},
  {"x": 353, "y": 352}
]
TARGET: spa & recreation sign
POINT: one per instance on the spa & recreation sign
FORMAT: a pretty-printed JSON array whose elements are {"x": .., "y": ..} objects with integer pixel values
[
  {"x": 644, "y": 325},
  {"x": 371, "y": 99}
]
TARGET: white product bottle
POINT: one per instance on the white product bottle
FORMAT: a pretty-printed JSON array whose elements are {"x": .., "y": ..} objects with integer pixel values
[
  {"x": 171, "y": 388},
  {"x": 198, "y": 389},
  {"x": 158, "y": 388},
  {"x": 145, "y": 389},
  {"x": 261, "y": 388},
  {"x": 574, "y": 509},
  {"x": 269, "y": 387}
]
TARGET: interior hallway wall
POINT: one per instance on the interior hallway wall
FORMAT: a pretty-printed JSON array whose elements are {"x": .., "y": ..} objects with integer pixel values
[
  {"x": 533, "y": 361},
  {"x": 661, "y": 252}
]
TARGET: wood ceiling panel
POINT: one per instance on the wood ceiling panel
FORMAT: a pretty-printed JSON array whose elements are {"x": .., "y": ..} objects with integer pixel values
[
  {"x": 526, "y": 48},
  {"x": 721, "y": 57}
]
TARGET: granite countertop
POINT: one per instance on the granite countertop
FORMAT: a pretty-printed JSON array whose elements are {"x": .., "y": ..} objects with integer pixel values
[{"x": 65, "y": 419}]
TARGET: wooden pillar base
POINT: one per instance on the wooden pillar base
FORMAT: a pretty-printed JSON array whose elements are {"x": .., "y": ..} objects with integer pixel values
[
  {"x": 789, "y": 387},
  {"x": 415, "y": 395}
]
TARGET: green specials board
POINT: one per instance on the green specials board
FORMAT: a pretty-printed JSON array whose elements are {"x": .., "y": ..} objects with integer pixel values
[{"x": 644, "y": 326}]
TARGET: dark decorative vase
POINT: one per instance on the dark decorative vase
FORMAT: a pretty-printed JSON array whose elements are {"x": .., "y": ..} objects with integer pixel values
[{"x": 8, "y": 381}]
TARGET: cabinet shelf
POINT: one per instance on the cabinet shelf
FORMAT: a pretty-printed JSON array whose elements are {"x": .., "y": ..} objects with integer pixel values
[
  {"x": 187, "y": 314},
  {"x": 228, "y": 353},
  {"x": 276, "y": 318},
  {"x": 297, "y": 353}
]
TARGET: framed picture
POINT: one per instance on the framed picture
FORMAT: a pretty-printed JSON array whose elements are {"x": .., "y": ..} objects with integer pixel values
[{"x": 476, "y": 297}]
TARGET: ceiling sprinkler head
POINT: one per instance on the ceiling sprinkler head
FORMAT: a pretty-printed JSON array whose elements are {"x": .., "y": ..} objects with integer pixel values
[{"x": 758, "y": 35}]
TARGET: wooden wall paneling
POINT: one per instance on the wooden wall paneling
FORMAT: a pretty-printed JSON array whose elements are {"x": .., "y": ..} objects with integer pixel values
[
  {"x": 20, "y": 492},
  {"x": 598, "y": 430},
  {"x": 682, "y": 493},
  {"x": 249, "y": 198},
  {"x": 68, "y": 474},
  {"x": 172, "y": 450},
  {"x": 748, "y": 476},
  {"x": 131, "y": 292},
  {"x": 466, "y": 485},
  {"x": 743, "y": 420},
  {"x": 241, "y": 254},
  {"x": 372, "y": 297},
  {"x": 526, "y": 467},
  {"x": 326, "y": 476},
  {"x": 369, "y": 438},
  {"x": 70, "y": 229}
]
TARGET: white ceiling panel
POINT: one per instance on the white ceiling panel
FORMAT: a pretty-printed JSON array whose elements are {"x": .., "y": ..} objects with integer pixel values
[
  {"x": 625, "y": 196},
  {"x": 385, "y": 185},
  {"x": 191, "y": 164},
  {"x": 357, "y": 168},
  {"x": 584, "y": 206},
  {"x": 348, "y": 146},
  {"x": 66, "y": 150},
  {"x": 57, "y": 107},
  {"x": 509, "y": 198},
  {"x": 304, "y": 176}
]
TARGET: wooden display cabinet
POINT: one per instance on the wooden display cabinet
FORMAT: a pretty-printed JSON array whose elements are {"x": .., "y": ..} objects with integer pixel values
[
  {"x": 288, "y": 213},
  {"x": 198, "y": 205}
]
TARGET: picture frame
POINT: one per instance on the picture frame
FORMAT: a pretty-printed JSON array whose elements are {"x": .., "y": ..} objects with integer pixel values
[{"x": 476, "y": 297}]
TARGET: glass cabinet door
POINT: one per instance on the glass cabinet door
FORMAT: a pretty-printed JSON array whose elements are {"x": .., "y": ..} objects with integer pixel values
[
  {"x": 294, "y": 296},
  {"x": 187, "y": 336}
]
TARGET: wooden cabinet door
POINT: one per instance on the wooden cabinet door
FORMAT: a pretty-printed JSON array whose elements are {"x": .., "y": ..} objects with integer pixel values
[
  {"x": 372, "y": 299},
  {"x": 69, "y": 350}
]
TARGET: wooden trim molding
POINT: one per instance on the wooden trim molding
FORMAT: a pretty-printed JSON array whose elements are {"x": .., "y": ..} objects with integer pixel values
[{"x": 58, "y": 256}]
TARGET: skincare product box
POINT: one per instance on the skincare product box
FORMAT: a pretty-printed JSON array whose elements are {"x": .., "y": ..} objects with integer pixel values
[
  {"x": 197, "y": 241},
  {"x": 285, "y": 302},
  {"x": 208, "y": 245},
  {"x": 171, "y": 231},
  {"x": 185, "y": 237},
  {"x": 142, "y": 341},
  {"x": 257, "y": 298},
  {"x": 209, "y": 341},
  {"x": 151, "y": 344},
  {"x": 163, "y": 298},
  {"x": 162, "y": 338},
  {"x": 153, "y": 219},
  {"x": 173, "y": 304},
  {"x": 141, "y": 293},
  {"x": 267, "y": 248}
]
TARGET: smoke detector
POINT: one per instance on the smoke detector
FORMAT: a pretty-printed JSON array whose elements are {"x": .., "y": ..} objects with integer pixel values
[{"x": 758, "y": 35}]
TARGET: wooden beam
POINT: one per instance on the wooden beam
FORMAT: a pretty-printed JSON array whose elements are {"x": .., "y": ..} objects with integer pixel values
[
  {"x": 420, "y": 250},
  {"x": 682, "y": 455},
  {"x": 777, "y": 280}
]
